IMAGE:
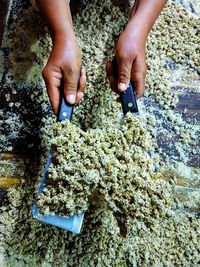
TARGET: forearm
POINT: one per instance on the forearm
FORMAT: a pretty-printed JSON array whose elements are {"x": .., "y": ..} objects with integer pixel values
[
  {"x": 144, "y": 15},
  {"x": 57, "y": 16}
]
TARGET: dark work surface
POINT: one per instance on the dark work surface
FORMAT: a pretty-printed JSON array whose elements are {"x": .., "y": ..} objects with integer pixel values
[
  {"x": 3, "y": 197},
  {"x": 3, "y": 12},
  {"x": 28, "y": 113}
]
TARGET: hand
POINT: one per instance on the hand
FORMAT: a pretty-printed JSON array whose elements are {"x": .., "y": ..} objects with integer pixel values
[
  {"x": 131, "y": 60},
  {"x": 64, "y": 63}
]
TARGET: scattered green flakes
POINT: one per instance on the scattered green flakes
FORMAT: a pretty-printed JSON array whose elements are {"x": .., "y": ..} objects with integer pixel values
[
  {"x": 28, "y": 48},
  {"x": 132, "y": 217},
  {"x": 108, "y": 238}
]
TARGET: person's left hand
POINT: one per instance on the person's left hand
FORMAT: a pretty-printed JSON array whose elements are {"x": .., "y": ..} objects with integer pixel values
[{"x": 131, "y": 61}]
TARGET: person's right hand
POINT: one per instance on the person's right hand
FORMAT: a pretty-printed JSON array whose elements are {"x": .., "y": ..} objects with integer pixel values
[{"x": 64, "y": 63}]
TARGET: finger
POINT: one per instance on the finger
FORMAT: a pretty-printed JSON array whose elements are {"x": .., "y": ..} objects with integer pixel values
[
  {"x": 124, "y": 73},
  {"x": 113, "y": 84},
  {"x": 139, "y": 82},
  {"x": 70, "y": 77},
  {"x": 79, "y": 96},
  {"x": 82, "y": 80},
  {"x": 138, "y": 77},
  {"x": 109, "y": 68},
  {"x": 54, "y": 96},
  {"x": 81, "y": 86},
  {"x": 52, "y": 85},
  {"x": 111, "y": 77}
]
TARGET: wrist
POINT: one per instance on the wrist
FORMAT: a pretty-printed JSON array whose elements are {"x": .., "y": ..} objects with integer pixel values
[
  {"x": 57, "y": 16},
  {"x": 144, "y": 15},
  {"x": 136, "y": 32},
  {"x": 63, "y": 36}
]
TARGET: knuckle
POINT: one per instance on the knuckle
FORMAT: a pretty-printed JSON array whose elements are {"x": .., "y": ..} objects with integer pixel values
[
  {"x": 122, "y": 57},
  {"x": 70, "y": 87},
  {"x": 123, "y": 76},
  {"x": 125, "y": 54},
  {"x": 72, "y": 68},
  {"x": 45, "y": 73},
  {"x": 139, "y": 76},
  {"x": 69, "y": 69}
]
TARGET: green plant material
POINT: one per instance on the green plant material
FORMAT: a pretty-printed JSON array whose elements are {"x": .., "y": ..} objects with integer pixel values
[
  {"x": 136, "y": 224},
  {"x": 106, "y": 164}
]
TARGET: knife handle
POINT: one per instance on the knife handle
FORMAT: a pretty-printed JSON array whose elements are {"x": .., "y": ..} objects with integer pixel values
[
  {"x": 65, "y": 110},
  {"x": 128, "y": 99}
]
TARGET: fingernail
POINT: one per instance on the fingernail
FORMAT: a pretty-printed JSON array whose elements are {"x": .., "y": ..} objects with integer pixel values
[
  {"x": 121, "y": 87},
  {"x": 71, "y": 99}
]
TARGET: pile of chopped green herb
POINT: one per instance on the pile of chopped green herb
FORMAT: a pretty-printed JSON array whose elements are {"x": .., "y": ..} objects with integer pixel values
[{"x": 110, "y": 164}]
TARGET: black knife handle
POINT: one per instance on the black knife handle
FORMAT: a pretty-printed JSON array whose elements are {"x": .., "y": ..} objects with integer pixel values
[
  {"x": 65, "y": 110},
  {"x": 128, "y": 99}
]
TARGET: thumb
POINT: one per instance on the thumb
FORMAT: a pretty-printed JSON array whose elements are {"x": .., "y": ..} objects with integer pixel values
[
  {"x": 124, "y": 74},
  {"x": 71, "y": 86}
]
